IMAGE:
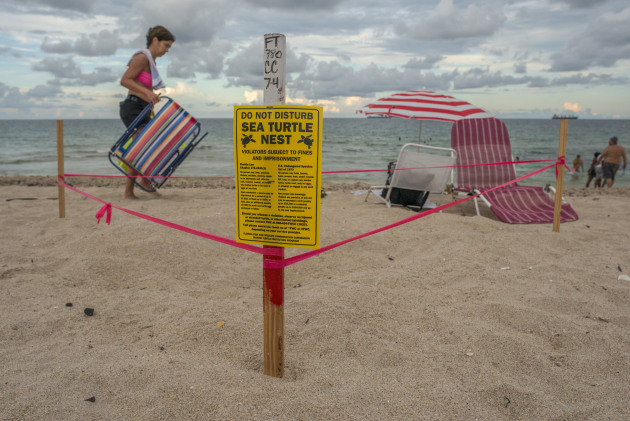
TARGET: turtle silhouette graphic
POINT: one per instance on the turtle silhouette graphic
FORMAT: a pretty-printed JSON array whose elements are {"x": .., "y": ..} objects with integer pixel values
[
  {"x": 246, "y": 140},
  {"x": 307, "y": 141}
]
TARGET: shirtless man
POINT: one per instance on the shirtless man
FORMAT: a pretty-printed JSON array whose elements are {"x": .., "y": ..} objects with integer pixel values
[
  {"x": 578, "y": 165},
  {"x": 611, "y": 158}
]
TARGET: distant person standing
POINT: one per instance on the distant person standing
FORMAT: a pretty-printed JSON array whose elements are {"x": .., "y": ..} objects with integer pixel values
[
  {"x": 611, "y": 160},
  {"x": 599, "y": 175},
  {"x": 578, "y": 165},
  {"x": 595, "y": 171},
  {"x": 141, "y": 79}
]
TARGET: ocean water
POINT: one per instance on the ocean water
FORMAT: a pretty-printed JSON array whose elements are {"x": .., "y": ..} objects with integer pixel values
[{"x": 29, "y": 147}]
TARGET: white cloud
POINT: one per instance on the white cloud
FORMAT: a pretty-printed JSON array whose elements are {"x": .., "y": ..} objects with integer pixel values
[
  {"x": 251, "y": 96},
  {"x": 449, "y": 21},
  {"x": 570, "y": 106},
  {"x": 604, "y": 42},
  {"x": 292, "y": 4},
  {"x": 103, "y": 43},
  {"x": 83, "y": 6},
  {"x": 354, "y": 100},
  {"x": 327, "y": 105}
]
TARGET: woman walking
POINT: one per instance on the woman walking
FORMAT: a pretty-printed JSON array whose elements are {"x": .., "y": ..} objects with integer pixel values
[{"x": 142, "y": 79}]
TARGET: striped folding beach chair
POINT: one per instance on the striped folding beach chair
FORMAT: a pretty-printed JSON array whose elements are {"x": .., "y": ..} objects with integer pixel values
[
  {"x": 485, "y": 141},
  {"x": 155, "y": 150}
]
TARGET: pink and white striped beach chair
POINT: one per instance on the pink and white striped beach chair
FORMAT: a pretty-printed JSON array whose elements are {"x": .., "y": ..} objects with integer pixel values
[{"x": 485, "y": 141}]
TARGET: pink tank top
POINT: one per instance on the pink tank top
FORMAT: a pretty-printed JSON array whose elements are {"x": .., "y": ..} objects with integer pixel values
[{"x": 145, "y": 79}]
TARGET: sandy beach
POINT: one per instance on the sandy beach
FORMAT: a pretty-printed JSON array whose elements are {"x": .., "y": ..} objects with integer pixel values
[{"x": 451, "y": 317}]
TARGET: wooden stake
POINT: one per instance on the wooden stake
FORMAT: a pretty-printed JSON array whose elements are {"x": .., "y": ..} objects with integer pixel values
[
  {"x": 273, "y": 279},
  {"x": 273, "y": 316},
  {"x": 60, "y": 170},
  {"x": 562, "y": 151}
]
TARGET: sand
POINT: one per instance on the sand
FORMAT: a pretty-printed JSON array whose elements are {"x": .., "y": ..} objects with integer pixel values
[{"x": 454, "y": 316}]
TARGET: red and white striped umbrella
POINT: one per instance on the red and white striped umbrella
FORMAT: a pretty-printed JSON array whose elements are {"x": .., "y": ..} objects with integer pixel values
[{"x": 423, "y": 105}]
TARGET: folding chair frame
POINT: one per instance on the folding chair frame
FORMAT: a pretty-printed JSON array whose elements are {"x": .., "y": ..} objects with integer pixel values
[{"x": 419, "y": 148}]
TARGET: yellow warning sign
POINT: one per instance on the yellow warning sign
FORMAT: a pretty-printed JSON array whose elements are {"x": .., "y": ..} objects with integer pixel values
[{"x": 278, "y": 162}]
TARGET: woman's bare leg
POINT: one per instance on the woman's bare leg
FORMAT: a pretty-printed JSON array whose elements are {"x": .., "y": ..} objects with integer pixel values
[{"x": 129, "y": 194}]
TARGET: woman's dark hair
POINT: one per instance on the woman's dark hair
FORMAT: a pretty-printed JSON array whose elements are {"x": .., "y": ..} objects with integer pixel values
[{"x": 161, "y": 33}]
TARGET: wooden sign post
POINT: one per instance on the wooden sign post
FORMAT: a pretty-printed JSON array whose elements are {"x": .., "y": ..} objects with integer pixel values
[
  {"x": 562, "y": 150},
  {"x": 278, "y": 165},
  {"x": 278, "y": 161},
  {"x": 273, "y": 278},
  {"x": 60, "y": 169}
]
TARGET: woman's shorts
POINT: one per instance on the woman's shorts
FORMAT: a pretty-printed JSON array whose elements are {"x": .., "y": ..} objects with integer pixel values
[{"x": 131, "y": 108}]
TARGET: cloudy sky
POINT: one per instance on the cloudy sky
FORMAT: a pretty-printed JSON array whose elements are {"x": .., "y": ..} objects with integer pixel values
[{"x": 516, "y": 58}]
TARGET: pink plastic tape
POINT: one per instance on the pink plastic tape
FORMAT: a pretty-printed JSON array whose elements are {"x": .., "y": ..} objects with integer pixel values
[
  {"x": 106, "y": 210},
  {"x": 295, "y": 259}
]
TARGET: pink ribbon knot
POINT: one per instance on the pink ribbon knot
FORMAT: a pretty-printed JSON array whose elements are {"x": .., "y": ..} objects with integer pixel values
[
  {"x": 561, "y": 162},
  {"x": 102, "y": 211}
]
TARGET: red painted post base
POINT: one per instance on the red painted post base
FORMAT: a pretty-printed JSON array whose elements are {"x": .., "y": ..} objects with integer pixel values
[{"x": 273, "y": 317}]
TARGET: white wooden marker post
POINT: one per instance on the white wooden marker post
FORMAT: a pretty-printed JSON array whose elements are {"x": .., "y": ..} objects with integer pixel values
[
  {"x": 275, "y": 69},
  {"x": 273, "y": 278}
]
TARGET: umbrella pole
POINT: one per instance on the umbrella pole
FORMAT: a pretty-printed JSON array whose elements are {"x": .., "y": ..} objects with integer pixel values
[{"x": 419, "y": 131}]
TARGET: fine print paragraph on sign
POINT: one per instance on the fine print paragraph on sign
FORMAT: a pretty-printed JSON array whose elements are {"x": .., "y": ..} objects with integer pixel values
[{"x": 278, "y": 162}]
